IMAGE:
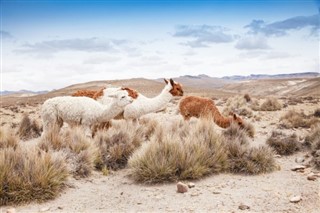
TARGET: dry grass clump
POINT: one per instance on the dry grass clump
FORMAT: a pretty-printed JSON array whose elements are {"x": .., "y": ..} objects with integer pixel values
[
  {"x": 283, "y": 144},
  {"x": 317, "y": 113},
  {"x": 238, "y": 105},
  {"x": 80, "y": 151},
  {"x": 30, "y": 175},
  {"x": 8, "y": 139},
  {"x": 244, "y": 159},
  {"x": 271, "y": 104},
  {"x": 247, "y": 97},
  {"x": 28, "y": 128},
  {"x": 172, "y": 155},
  {"x": 118, "y": 143},
  {"x": 313, "y": 141},
  {"x": 293, "y": 119}
]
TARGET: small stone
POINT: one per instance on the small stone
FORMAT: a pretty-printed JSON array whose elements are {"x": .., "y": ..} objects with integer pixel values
[
  {"x": 298, "y": 168},
  {"x": 295, "y": 199},
  {"x": 11, "y": 210},
  {"x": 195, "y": 194},
  {"x": 216, "y": 192},
  {"x": 243, "y": 207},
  {"x": 181, "y": 187},
  {"x": 139, "y": 203},
  {"x": 59, "y": 207},
  {"x": 277, "y": 156},
  {"x": 191, "y": 185},
  {"x": 312, "y": 176},
  {"x": 299, "y": 160},
  {"x": 44, "y": 209}
]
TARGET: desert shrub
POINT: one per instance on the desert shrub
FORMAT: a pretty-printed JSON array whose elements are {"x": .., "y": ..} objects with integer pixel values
[
  {"x": 238, "y": 105},
  {"x": 313, "y": 142},
  {"x": 271, "y": 104},
  {"x": 245, "y": 160},
  {"x": 118, "y": 143},
  {"x": 28, "y": 129},
  {"x": 317, "y": 113},
  {"x": 233, "y": 132},
  {"x": 294, "y": 101},
  {"x": 247, "y": 97},
  {"x": 30, "y": 175},
  {"x": 283, "y": 144},
  {"x": 293, "y": 119},
  {"x": 171, "y": 155},
  {"x": 80, "y": 151},
  {"x": 8, "y": 139},
  {"x": 255, "y": 105}
]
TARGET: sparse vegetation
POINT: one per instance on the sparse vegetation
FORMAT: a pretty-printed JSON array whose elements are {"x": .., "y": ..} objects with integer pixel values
[
  {"x": 317, "y": 113},
  {"x": 271, "y": 104},
  {"x": 283, "y": 144},
  {"x": 29, "y": 174},
  {"x": 8, "y": 139},
  {"x": 313, "y": 141},
  {"x": 293, "y": 119},
  {"x": 118, "y": 143},
  {"x": 28, "y": 128},
  {"x": 247, "y": 97},
  {"x": 80, "y": 151},
  {"x": 238, "y": 105}
]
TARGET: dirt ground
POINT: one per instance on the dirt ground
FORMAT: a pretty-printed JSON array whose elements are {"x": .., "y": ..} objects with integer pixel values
[{"x": 217, "y": 193}]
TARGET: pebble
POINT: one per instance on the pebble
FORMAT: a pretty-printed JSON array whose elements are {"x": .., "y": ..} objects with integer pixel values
[
  {"x": 299, "y": 160},
  {"x": 44, "y": 209},
  {"x": 243, "y": 207},
  {"x": 181, "y": 187},
  {"x": 11, "y": 210},
  {"x": 298, "y": 168},
  {"x": 312, "y": 176},
  {"x": 295, "y": 199},
  {"x": 191, "y": 185}
]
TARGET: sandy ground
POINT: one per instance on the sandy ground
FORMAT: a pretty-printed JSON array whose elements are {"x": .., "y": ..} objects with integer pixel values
[{"x": 216, "y": 193}]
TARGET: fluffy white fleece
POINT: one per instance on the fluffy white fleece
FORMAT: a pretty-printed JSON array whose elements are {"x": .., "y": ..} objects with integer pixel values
[
  {"x": 144, "y": 105},
  {"x": 81, "y": 110}
]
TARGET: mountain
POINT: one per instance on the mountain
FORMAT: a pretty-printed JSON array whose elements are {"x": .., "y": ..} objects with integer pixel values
[
  {"x": 20, "y": 92},
  {"x": 278, "y": 76}
]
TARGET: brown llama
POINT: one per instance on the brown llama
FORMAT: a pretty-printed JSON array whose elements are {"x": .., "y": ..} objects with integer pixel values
[
  {"x": 193, "y": 106},
  {"x": 95, "y": 94}
]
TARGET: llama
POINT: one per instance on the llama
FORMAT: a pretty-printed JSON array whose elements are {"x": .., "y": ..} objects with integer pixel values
[
  {"x": 81, "y": 110},
  {"x": 88, "y": 93},
  {"x": 143, "y": 105},
  {"x": 98, "y": 94},
  {"x": 193, "y": 106}
]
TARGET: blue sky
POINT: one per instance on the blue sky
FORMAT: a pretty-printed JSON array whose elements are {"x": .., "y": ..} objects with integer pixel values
[{"x": 52, "y": 44}]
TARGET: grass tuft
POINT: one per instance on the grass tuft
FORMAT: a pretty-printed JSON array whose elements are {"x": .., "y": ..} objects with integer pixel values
[
  {"x": 317, "y": 113},
  {"x": 283, "y": 144},
  {"x": 8, "y": 139},
  {"x": 28, "y": 128},
  {"x": 30, "y": 175},
  {"x": 271, "y": 104},
  {"x": 313, "y": 141},
  {"x": 293, "y": 119}
]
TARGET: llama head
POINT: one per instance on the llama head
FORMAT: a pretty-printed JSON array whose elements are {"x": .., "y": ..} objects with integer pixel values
[
  {"x": 176, "y": 88},
  {"x": 132, "y": 93},
  {"x": 236, "y": 119},
  {"x": 122, "y": 98}
]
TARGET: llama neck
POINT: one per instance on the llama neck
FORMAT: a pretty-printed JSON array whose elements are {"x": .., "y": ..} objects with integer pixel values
[
  {"x": 110, "y": 111},
  {"x": 219, "y": 119},
  {"x": 160, "y": 101}
]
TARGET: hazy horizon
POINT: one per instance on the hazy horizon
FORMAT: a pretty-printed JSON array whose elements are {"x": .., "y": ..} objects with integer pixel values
[{"x": 50, "y": 44}]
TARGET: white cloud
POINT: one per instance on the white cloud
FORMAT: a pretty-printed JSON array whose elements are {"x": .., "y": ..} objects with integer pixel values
[{"x": 252, "y": 43}]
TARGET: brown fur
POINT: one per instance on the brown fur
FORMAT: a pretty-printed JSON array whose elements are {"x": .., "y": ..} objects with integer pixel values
[
  {"x": 98, "y": 93},
  {"x": 132, "y": 93},
  {"x": 193, "y": 106},
  {"x": 176, "y": 88},
  {"x": 86, "y": 93}
]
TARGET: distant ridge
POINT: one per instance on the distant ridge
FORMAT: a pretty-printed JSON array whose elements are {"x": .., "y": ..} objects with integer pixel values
[
  {"x": 278, "y": 76},
  {"x": 6, "y": 92}
]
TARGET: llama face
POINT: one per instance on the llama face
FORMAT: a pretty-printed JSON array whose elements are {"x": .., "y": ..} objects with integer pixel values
[
  {"x": 176, "y": 88},
  {"x": 123, "y": 99},
  {"x": 237, "y": 120}
]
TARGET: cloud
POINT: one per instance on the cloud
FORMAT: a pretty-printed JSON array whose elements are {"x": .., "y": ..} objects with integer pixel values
[
  {"x": 280, "y": 28},
  {"x": 84, "y": 45},
  {"x": 252, "y": 43},
  {"x": 203, "y": 35},
  {"x": 5, "y": 35}
]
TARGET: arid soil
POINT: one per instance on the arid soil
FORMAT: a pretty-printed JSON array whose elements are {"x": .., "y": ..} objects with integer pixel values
[{"x": 117, "y": 192}]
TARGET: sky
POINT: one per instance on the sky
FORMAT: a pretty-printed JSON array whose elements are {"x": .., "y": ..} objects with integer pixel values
[{"x": 50, "y": 44}]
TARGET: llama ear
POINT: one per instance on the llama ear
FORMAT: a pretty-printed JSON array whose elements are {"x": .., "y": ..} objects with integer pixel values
[
  {"x": 165, "y": 80},
  {"x": 171, "y": 82}
]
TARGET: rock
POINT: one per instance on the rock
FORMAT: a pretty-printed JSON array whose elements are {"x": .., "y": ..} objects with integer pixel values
[
  {"x": 44, "y": 209},
  {"x": 277, "y": 156},
  {"x": 243, "y": 207},
  {"x": 11, "y": 210},
  {"x": 181, "y": 187},
  {"x": 295, "y": 199},
  {"x": 298, "y": 168},
  {"x": 216, "y": 192},
  {"x": 312, "y": 176},
  {"x": 191, "y": 185},
  {"x": 299, "y": 160}
]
